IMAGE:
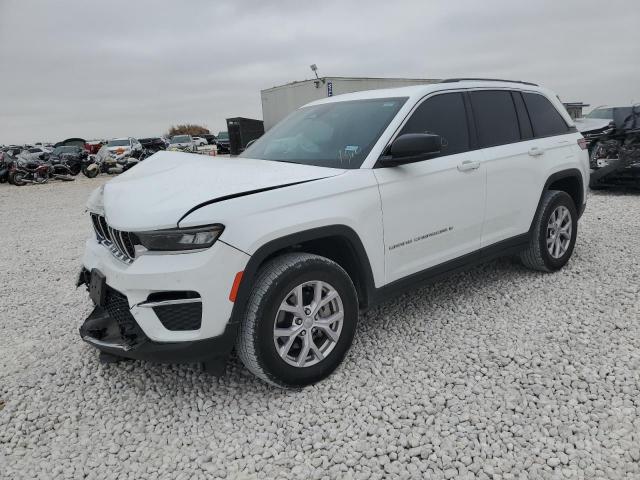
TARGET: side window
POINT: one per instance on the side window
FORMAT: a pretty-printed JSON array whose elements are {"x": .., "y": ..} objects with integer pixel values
[
  {"x": 545, "y": 119},
  {"x": 496, "y": 118},
  {"x": 443, "y": 115}
]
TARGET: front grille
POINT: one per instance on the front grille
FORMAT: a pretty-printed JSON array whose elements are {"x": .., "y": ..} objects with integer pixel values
[
  {"x": 117, "y": 305},
  {"x": 183, "y": 316},
  {"x": 118, "y": 242}
]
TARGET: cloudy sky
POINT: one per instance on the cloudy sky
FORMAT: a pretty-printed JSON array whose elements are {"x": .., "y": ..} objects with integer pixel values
[{"x": 99, "y": 69}]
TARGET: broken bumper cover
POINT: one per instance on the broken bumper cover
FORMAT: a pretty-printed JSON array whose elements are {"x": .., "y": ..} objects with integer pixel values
[{"x": 124, "y": 338}]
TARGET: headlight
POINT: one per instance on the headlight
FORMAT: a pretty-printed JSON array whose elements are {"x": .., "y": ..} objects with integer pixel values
[{"x": 180, "y": 238}]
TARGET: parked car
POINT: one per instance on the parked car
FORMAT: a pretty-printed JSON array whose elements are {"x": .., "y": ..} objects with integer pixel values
[
  {"x": 182, "y": 142},
  {"x": 222, "y": 142},
  {"x": 153, "y": 144},
  {"x": 127, "y": 145},
  {"x": 74, "y": 141},
  {"x": 199, "y": 141},
  {"x": 36, "y": 152},
  {"x": 93, "y": 146},
  {"x": 348, "y": 200},
  {"x": 210, "y": 138}
]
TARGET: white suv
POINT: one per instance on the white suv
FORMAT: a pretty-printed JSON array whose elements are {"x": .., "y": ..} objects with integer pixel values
[{"x": 349, "y": 199}]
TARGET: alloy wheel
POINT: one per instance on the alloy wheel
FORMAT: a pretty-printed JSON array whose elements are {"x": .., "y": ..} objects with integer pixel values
[
  {"x": 559, "y": 229},
  {"x": 308, "y": 324}
]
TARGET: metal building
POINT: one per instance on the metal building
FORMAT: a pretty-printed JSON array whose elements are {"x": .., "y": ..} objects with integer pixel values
[
  {"x": 278, "y": 102},
  {"x": 575, "y": 109}
]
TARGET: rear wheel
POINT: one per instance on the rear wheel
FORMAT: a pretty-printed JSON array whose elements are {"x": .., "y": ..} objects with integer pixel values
[
  {"x": 299, "y": 321},
  {"x": 554, "y": 233}
]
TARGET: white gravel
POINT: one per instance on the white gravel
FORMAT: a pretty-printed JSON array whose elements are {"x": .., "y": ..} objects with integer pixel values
[{"x": 496, "y": 373}]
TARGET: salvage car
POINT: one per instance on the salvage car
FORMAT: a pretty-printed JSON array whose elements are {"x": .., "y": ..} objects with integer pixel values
[
  {"x": 182, "y": 142},
  {"x": 348, "y": 200},
  {"x": 127, "y": 146},
  {"x": 613, "y": 137},
  {"x": 153, "y": 144}
]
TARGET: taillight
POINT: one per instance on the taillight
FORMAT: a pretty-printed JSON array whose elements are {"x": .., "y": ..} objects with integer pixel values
[{"x": 582, "y": 143}]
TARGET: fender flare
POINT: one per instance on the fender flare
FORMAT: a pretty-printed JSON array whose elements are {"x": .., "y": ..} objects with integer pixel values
[{"x": 281, "y": 243}]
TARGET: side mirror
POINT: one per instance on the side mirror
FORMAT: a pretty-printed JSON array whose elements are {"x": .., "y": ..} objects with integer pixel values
[{"x": 411, "y": 147}]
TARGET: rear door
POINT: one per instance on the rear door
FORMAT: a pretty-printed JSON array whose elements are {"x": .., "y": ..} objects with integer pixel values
[
  {"x": 518, "y": 155},
  {"x": 433, "y": 209}
]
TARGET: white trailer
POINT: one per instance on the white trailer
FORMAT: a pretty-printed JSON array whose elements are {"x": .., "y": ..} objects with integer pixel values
[{"x": 278, "y": 102}]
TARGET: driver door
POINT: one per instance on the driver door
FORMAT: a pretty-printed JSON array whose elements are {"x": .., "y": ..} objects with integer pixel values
[{"x": 433, "y": 209}]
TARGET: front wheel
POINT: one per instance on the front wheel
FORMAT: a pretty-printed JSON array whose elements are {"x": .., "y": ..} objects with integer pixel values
[
  {"x": 554, "y": 233},
  {"x": 299, "y": 321},
  {"x": 90, "y": 172},
  {"x": 17, "y": 178}
]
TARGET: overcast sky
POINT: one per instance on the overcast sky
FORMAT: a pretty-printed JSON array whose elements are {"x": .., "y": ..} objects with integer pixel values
[{"x": 99, "y": 69}]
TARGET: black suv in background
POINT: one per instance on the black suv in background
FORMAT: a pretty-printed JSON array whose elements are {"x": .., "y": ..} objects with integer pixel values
[
  {"x": 209, "y": 137},
  {"x": 223, "y": 142},
  {"x": 153, "y": 144}
]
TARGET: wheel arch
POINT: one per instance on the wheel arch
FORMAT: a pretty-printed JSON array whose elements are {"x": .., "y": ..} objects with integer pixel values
[
  {"x": 569, "y": 181},
  {"x": 339, "y": 243}
]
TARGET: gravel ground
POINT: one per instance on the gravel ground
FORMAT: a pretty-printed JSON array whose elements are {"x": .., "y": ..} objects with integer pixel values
[{"x": 495, "y": 373}]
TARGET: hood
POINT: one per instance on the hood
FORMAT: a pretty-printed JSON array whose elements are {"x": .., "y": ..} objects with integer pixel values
[
  {"x": 158, "y": 192},
  {"x": 589, "y": 124}
]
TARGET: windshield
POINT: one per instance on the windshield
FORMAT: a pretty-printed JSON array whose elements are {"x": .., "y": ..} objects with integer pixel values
[
  {"x": 118, "y": 143},
  {"x": 337, "y": 135},
  {"x": 61, "y": 150},
  {"x": 223, "y": 136},
  {"x": 180, "y": 139}
]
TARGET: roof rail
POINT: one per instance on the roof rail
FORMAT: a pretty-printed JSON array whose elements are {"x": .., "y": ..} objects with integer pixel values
[{"x": 453, "y": 80}]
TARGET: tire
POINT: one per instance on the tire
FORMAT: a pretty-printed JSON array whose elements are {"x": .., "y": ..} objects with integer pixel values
[
  {"x": 75, "y": 170},
  {"x": 537, "y": 256},
  {"x": 93, "y": 173},
  {"x": 17, "y": 179},
  {"x": 274, "y": 286}
]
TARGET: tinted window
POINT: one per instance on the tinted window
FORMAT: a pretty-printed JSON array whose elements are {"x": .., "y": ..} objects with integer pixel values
[
  {"x": 446, "y": 116},
  {"x": 496, "y": 118},
  {"x": 545, "y": 119}
]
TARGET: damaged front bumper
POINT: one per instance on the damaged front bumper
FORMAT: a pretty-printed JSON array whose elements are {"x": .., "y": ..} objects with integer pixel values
[{"x": 111, "y": 328}]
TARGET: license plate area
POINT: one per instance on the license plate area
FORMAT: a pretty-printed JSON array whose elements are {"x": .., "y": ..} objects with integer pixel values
[{"x": 98, "y": 287}]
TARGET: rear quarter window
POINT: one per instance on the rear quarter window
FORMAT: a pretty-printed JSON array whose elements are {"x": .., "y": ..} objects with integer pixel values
[{"x": 545, "y": 119}]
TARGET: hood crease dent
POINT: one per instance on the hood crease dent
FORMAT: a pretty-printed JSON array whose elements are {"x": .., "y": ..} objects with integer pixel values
[
  {"x": 163, "y": 189},
  {"x": 243, "y": 194}
]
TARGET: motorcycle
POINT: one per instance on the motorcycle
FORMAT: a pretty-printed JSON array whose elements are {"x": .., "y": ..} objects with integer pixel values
[
  {"x": 614, "y": 152},
  {"x": 109, "y": 162},
  {"x": 23, "y": 171},
  {"x": 4, "y": 167}
]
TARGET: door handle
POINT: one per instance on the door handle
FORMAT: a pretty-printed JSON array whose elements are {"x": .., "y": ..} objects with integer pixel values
[
  {"x": 468, "y": 165},
  {"x": 536, "y": 151}
]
